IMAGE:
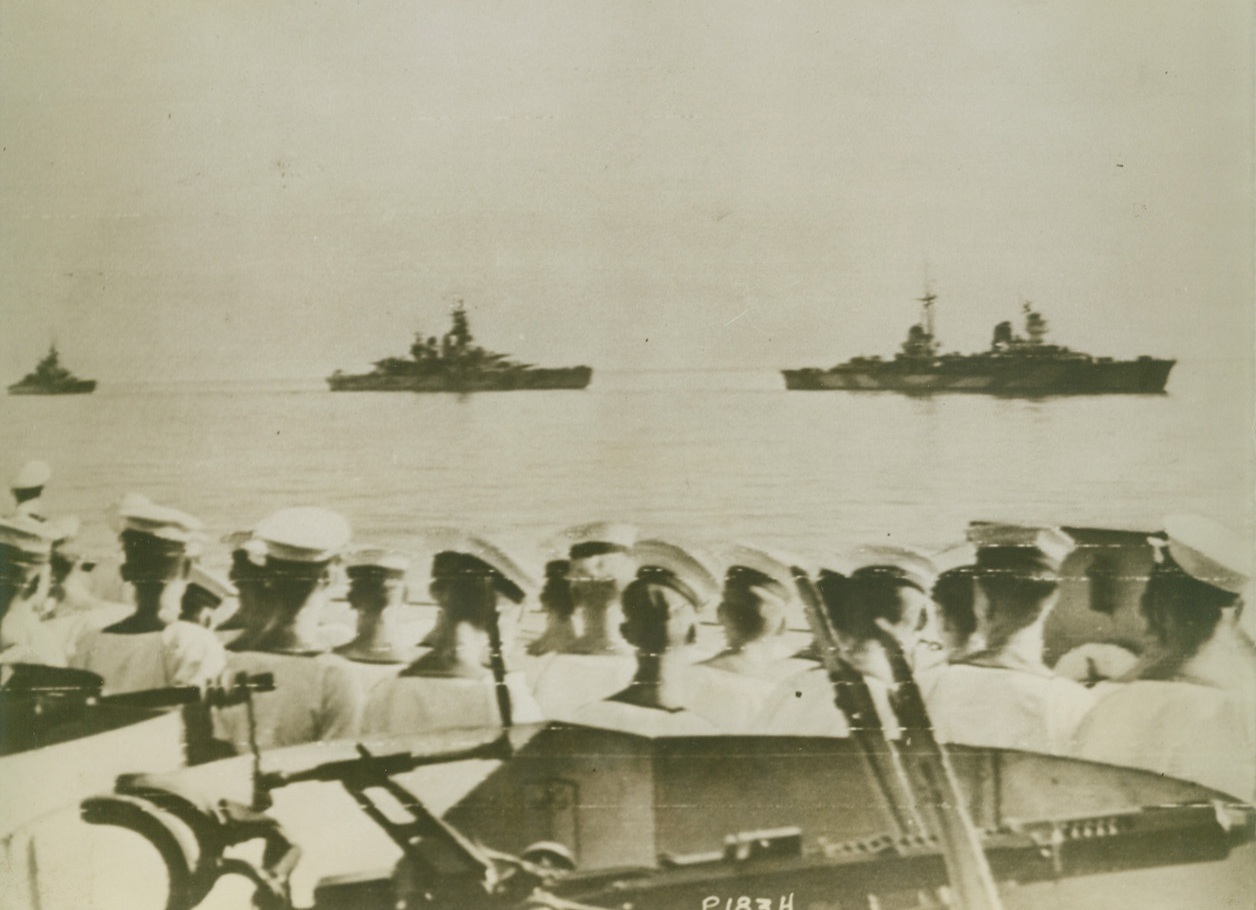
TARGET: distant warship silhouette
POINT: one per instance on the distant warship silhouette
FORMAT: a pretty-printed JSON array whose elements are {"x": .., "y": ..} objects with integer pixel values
[
  {"x": 1014, "y": 365},
  {"x": 50, "y": 378},
  {"x": 457, "y": 364}
]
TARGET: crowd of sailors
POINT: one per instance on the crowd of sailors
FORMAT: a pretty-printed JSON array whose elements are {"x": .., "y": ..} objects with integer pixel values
[{"x": 620, "y": 649}]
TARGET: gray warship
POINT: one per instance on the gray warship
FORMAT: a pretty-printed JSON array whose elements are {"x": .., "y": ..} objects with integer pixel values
[
  {"x": 456, "y": 363},
  {"x": 1014, "y": 365},
  {"x": 50, "y": 378}
]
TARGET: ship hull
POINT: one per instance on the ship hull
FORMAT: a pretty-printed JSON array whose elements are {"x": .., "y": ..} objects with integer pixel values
[
  {"x": 1020, "y": 378},
  {"x": 78, "y": 387},
  {"x": 503, "y": 381}
]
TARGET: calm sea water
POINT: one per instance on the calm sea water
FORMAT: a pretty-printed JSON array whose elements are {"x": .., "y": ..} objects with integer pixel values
[{"x": 719, "y": 456}]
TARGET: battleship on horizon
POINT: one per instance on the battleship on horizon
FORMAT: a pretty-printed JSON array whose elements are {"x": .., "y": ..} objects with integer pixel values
[
  {"x": 50, "y": 378},
  {"x": 1014, "y": 365},
  {"x": 457, "y": 364}
]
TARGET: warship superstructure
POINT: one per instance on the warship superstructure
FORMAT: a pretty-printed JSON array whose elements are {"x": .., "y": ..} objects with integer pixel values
[
  {"x": 50, "y": 378},
  {"x": 455, "y": 363},
  {"x": 1015, "y": 365}
]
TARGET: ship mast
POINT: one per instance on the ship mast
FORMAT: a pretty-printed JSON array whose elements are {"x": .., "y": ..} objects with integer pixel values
[{"x": 926, "y": 319}]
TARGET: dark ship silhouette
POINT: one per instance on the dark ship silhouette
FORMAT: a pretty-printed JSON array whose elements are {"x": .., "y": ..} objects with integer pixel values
[
  {"x": 456, "y": 364},
  {"x": 1016, "y": 366},
  {"x": 50, "y": 378}
]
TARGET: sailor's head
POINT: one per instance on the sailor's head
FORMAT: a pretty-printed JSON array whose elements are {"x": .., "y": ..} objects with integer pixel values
[
  {"x": 248, "y": 565},
  {"x": 25, "y": 551},
  {"x": 754, "y": 598},
  {"x": 1018, "y": 571},
  {"x": 377, "y": 579},
  {"x": 1201, "y": 571},
  {"x": 601, "y": 561},
  {"x": 29, "y": 481},
  {"x": 555, "y": 593},
  {"x": 956, "y": 594},
  {"x": 301, "y": 545},
  {"x": 887, "y": 594},
  {"x": 471, "y": 578},
  {"x": 158, "y": 546},
  {"x": 660, "y": 611},
  {"x": 205, "y": 593}
]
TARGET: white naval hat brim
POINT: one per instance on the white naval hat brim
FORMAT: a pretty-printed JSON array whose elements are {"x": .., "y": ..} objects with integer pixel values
[
  {"x": 685, "y": 563},
  {"x": 1208, "y": 551},
  {"x": 31, "y": 475},
  {"x": 308, "y": 534}
]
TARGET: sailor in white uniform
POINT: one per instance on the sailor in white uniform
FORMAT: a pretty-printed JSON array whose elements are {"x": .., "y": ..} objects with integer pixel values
[
  {"x": 600, "y": 661},
  {"x": 248, "y": 576},
  {"x": 149, "y": 649},
  {"x": 27, "y": 487},
  {"x": 25, "y": 550},
  {"x": 556, "y": 600},
  {"x": 317, "y": 695},
  {"x": 1188, "y": 709},
  {"x": 886, "y": 595},
  {"x": 204, "y": 596},
  {"x": 733, "y": 688},
  {"x": 46, "y": 628},
  {"x": 1005, "y": 696},
  {"x": 660, "y": 607},
  {"x": 452, "y": 686},
  {"x": 377, "y": 592}
]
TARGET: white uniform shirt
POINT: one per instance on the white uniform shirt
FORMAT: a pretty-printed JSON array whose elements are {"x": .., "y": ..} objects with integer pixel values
[
  {"x": 53, "y": 638},
  {"x": 424, "y": 704},
  {"x": 564, "y": 683},
  {"x": 1185, "y": 730},
  {"x": 1004, "y": 708},
  {"x": 317, "y": 697},
  {"x": 731, "y": 702},
  {"x": 181, "y": 654},
  {"x": 804, "y": 705}
]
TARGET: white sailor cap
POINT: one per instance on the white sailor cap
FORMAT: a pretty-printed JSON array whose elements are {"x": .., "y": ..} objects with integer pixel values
[
  {"x": 29, "y": 538},
  {"x": 954, "y": 557},
  {"x": 456, "y": 551},
  {"x": 904, "y": 564},
  {"x": 211, "y": 583},
  {"x": 31, "y": 475},
  {"x": 1020, "y": 549},
  {"x": 376, "y": 561},
  {"x": 688, "y": 566},
  {"x": 1208, "y": 551},
  {"x": 139, "y": 514},
  {"x": 307, "y": 534},
  {"x": 767, "y": 568},
  {"x": 598, "y": 538}
]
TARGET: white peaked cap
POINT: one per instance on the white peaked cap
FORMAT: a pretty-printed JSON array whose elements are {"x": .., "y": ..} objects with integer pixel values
[
  {"x": 1048, "y": 547},
  {"x": 212, "y": 582},
  {"x": 772, "y": 563},
  {"x": 690, "y": 567},
  {"x": 304, "y": 534},
  {"x": 30, "y": 475},
  {"x": 617, "y": 534},
  {"x": 916, "y": 567},
  {"x": 456, "y": 540},
  {"x": 388, "y": 562},
  {"x": 964, "y": 554},
  {"x": 1210, "y": 552},
  {"x": 26, "y": 535},
  {"x": 139, "y": 513}
]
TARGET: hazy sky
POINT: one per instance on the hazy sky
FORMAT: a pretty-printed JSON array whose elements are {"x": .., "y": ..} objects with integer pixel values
[{"x": 235, "y": 188}]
